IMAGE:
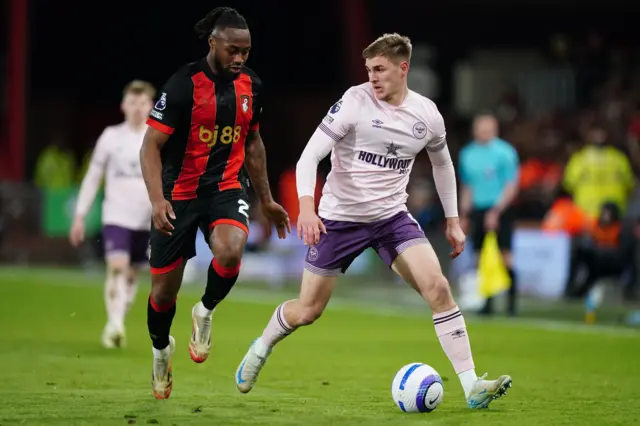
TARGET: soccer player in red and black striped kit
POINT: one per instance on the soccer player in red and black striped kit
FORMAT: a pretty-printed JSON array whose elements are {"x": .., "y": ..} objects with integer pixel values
[{"x": 202, "y": 130}]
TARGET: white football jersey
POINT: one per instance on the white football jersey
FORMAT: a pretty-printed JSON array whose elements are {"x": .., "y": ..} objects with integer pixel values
[
  {"x": 376, "y": 146},
  {"x": 117, "y": 157}
]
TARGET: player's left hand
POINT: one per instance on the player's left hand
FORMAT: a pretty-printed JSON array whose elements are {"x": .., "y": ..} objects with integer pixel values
[
  {"x": 455, "y": 236},
  {"x": 276, "y": 215}
]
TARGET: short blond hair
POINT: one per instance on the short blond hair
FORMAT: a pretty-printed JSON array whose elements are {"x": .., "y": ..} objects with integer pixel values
[
  {"x": 394, "y": 47},
  {"x": 139, "y": 87}
]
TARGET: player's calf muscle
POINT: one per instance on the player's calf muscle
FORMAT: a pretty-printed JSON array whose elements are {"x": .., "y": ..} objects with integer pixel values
[
  {"x": 438, "y": 294},
  {"x": 419, "y": 267},
  {"x": 315, "y": 293},
  {"x": 435, "y": 290},
  {"x": 298, "y": 314}
]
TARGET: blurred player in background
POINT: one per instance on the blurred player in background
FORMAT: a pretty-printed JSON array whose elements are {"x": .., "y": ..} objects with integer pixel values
[
  {"x": 201, "y": 131},
  {"x": 126, "y": 210},
  {"x": 489, "y": 170},
  {"x": 374, "y": 134}
]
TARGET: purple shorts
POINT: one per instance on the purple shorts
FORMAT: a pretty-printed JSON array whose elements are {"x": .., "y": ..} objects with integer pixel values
[
  {"x": 127, "y": 241},
  {"x": 344, "y": 241}
]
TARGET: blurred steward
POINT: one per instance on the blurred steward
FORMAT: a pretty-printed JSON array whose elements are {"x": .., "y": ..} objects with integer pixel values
[
  {"x": 55, "y": 167},
  {"x": 599, "y": 173}
]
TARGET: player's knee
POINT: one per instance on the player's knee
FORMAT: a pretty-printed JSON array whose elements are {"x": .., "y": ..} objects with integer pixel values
[
  {"x": 117, "y": 265},
  {"x": 438, "y": 292},
  {"x": 228, "y": 253},
  {"x": 162, "y": 290},
  {"x": 309, "y": 314},
  {"x": 161, "y": 296}
]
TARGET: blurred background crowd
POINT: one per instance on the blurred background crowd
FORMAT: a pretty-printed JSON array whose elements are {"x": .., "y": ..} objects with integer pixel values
[{"x": 563, "y": 83}]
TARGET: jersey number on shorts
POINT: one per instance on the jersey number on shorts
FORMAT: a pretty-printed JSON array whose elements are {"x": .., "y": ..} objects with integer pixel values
[{"x": 242, "y": 209}]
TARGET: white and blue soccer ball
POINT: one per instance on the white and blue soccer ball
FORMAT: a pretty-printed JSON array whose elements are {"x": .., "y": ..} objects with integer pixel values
[{"x": 417, "y": 388}]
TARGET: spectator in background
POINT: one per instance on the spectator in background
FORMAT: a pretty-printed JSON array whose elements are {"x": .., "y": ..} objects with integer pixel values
[
  {"x": 598, "y": 174},
  {"x": 56, "y": 166},
  {"x": 489, "y": 170},
  {"x": 565, "y": 216},
  {"x": 540, "y": 175},
  {"x": 603, "y": 252}
]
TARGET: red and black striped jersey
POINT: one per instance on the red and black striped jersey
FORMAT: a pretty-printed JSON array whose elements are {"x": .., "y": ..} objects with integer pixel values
[{"x": 208, "y": 119}]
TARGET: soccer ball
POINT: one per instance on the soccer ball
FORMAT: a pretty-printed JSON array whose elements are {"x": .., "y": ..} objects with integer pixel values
[{"x": 417, "y": 388}]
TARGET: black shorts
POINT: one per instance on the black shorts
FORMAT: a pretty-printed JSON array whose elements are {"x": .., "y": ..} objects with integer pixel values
[
  {"x": 228, "y": 207},
  {"x": 504, "y": 233}
]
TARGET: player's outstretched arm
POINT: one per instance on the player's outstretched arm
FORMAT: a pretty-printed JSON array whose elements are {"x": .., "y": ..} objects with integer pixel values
[
  {"x": 151, "y": 163},
  {"x": 256, "y": 163}
]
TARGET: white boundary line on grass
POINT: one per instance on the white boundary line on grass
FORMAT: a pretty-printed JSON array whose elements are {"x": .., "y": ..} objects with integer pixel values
[
  {"x": 263, "y": 297},
  {"x": 75, "y": 278}
]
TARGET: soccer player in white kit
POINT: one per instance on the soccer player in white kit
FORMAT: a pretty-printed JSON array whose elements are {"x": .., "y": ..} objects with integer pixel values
[
  {"x": 126, "y": 209},
  {"x": 374, "y": 134}
]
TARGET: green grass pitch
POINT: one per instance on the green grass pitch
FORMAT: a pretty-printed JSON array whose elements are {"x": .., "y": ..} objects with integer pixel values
[{"x": 336, "y": 372}]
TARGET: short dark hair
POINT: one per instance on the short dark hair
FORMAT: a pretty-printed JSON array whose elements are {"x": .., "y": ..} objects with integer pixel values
[
  {"x": 221, "y": 18},
  {"x": 394, "y": 47}
]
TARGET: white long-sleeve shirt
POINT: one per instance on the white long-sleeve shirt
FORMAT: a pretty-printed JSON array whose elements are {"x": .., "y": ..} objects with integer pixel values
[
  {"x": 117, "y": 157},
  {"x": 373, "y": 146}
]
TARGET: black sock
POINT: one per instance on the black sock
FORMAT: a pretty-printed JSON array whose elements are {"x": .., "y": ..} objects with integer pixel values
[
  {"x": 159, "y": 319},
  {"x": 513, "y": 291},
  {"x": 220, "y": 281}
]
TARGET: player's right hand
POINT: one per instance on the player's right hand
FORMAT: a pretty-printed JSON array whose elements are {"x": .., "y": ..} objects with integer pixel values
[
  {"x": 76, "y": 234},
  {"x": 162, "y": 212},
  {"x": 309, "y": 227}
]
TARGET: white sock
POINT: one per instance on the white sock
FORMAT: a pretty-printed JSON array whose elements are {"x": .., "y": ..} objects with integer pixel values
[
  {"x": 161, "y": 353},
  {"x": 131, "y": 292},
  {"x": 452, "y": 333},
  {"x": 119, "y": 283},
  {"x": 468, "y": 379},
  {"x": 110, "y": 298},
  {"x": 201, "y": 311},
  {"x": 277, "y": 328}
]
